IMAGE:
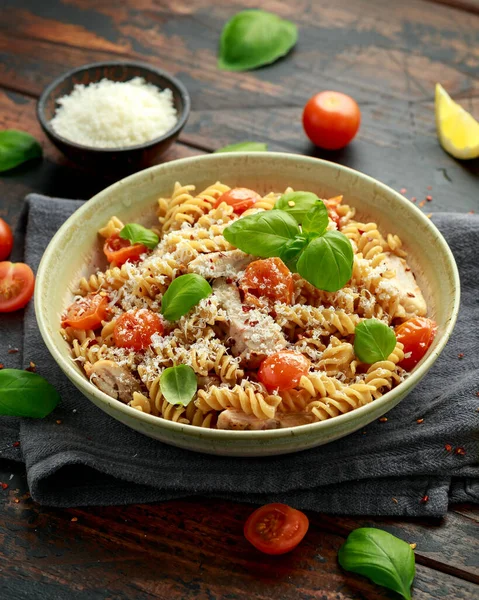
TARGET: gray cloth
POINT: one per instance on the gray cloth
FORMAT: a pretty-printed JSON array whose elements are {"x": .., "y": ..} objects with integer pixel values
[{"x": 91, "y": 459}]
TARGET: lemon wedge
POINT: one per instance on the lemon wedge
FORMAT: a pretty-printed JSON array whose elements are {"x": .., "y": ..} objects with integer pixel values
[{"x": 457, "y": 130}]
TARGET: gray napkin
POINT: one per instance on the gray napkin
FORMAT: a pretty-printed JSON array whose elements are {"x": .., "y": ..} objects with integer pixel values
[{"x": 389, "y": 468}]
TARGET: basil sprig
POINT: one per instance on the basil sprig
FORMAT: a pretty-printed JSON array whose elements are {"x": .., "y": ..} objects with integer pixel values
[
  {"x": 137, "y": 234},
  {"x": 380, "y": 556},
  {"x": 253, "y": 38},
  {"x": 178, "y": 384},
  {"x": 243, "y": 147},
  {"x": 324, "y": 258},
  {"x": 183, "y": 293},
  {"x": 373, "y": 341},
  {"x": 16, "y": 147},
  {"x": 26, "y": 394}
]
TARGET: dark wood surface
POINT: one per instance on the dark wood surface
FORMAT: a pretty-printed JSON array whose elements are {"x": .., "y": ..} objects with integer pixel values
[{"x": 388, "y": 55}]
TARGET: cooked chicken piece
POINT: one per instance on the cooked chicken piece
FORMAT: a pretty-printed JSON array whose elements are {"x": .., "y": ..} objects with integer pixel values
[
  {"x": 111, "y": 378},
  {"x": 411, "y": 298},
  {"x": 220, "y": 264},
  {"x": 237, "y": 420},
  {"x": 253, "y": 333}
]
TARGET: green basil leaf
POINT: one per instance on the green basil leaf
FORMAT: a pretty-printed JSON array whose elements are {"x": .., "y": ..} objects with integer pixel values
[
  {"x": 253, "y": 38},
  {"x": 178, "y": 384},
  {"x": 243, "y": 147},
  {"x": 297, "y": 204},
  {"x": 327, "y": 261},
  {"x": 262, "y": 234},
  {"x": 373, "y": 341},
  {"x": 26, "y": 394},
  {"x": 183, "y": 293},
  {"x": 380, "y": 556},
  {"x": 316, "y": 220},
  {"x": 291, "y": 251},
  {"x": 137, "y": 234},
  {"x": 16, "y": 147}
]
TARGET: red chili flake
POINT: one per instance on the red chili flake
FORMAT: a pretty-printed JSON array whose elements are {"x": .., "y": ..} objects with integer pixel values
[
  {"x": 425, "y": 499},
  {"x": 229, "y": 280},
  {"x": 460, "y": 355},
  {"x": 58, "y": 421},
  {"x": 395, "y": 500},
  {"x": 246, "y": 308},
  {"x": 413, "y": 199},
  {"x": 17, "y": 501},
  {"x": 1, "y": 366},
  {"x": 16, "y": 444},
  {"x": 253, "y": 323},
  {"x": 32, "y": 368},
  {"x": 403, "y": 190},
  {"x": 13, "y": 351},
  {"x": 383, "y": 419},
  {"x": 360, "y": 231},
  {"x": 448, "y": 448},
  {"x": 74, "y": 519},
  {"x": 460, "y": 450},
  {"x": 422, "y": 203},
  {"x": 419, "y": 421},
  {"x": 429, "y": 198}
]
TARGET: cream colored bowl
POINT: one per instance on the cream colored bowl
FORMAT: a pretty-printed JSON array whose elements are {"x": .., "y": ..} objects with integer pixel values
[{"x": 71, "y": 254}]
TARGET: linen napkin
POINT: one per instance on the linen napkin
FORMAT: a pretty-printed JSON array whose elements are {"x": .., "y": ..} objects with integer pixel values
[{"x": 80, "y": 456}]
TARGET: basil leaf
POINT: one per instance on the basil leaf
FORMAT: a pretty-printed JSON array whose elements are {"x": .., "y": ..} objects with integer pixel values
[
  {"x": 183, "y": 293},
  {"x": 327, "y": 261},
  {"x": 16, "y": 147},
  {"x": 178, "y": 384},
  {"x": 316, "y": 220},
  {"x": 26, "y": 394},
  {"x": 243, "y": 147},
  {"x": 380, "y": 556},
  {"x": 263, "y": 234},
  {"x": 291, "y": 251},
  {"x": 373, "y": 341},
  {"x": 253, "y": 38},
  {"x": 137, "y": 234},
  {"x": 297, "y": 204}
]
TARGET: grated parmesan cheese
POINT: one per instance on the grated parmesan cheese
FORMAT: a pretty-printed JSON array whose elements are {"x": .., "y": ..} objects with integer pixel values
[{"x": 115, "y": 114}]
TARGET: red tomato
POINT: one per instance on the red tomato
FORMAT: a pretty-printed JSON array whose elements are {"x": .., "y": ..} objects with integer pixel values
[
  {"x": 134, "y": 329},
  {"x": 283, "y": 370},
  {"x": 417, "y": 335},
  {"x": 239, "y": 198},
  {"x": 118, "y": 250},
  {"x": 332, "y": 205},
  {"x": 267, "y": 278},
  {"x": 331, "y": 119},
  {"x": 16, "y": 285},
  {"x": 276, "y": 528},
  {"x": 6, "y": 240},
  {"x": 87, "y": 312}
]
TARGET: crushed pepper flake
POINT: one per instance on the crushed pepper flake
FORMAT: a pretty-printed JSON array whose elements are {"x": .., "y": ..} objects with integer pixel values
[
  {"x": 419, "y": 421},
  {"x": 4, "y": 485},
  {"x": 32, "y": 367},
  {"x": 16, "y": 444},
  {"x": 58, "y": 421},
  {"x": 383, "y": 419},
  {"x": 403, "y": 190},
  {"x": 17, "y": 501},
  {"x": 429, "y": 198},
  {"x": 1, "y": 366},
  {"x": 460, "y": 355},
  {"x": 13, "y": 351},
  {"x": 395, "y": 500},
  {"x": 448, "y": 448},
  {"x": 413, "y": 199},
  {"x": 425, "y": 499},
  {"x": 74, "y": 519},
  {"x": 460, "y": 450},
  {"x": 413, "y": 545}
]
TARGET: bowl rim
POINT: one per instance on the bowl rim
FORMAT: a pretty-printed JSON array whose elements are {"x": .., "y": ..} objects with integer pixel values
[
  {"x": 175, "y": 83},
  {"x": 82, "y": 383}
]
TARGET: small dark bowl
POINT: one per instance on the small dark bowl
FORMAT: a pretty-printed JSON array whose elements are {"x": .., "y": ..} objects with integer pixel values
[{"x": 113, "y": 159}]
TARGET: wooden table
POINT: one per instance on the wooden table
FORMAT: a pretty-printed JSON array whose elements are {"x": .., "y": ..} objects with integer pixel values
[{"x": 388, "y": 56}]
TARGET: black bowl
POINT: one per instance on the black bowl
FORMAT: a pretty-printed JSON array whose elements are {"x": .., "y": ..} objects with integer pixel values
[{"x": 113, "y": 159}]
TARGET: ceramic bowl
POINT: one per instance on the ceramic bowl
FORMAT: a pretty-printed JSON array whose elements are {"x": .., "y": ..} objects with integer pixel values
[
  {"x": 117, "y": 160},
  {"x": 71, "y": 255}
]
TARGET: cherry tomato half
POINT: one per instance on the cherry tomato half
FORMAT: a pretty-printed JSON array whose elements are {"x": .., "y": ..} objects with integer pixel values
[
  {"x": 417, "y": 335},
  {"x": 267, "y": 278},
  {"x": 6, "y": 240},
  {"x": 276, "y": 528},
  {"x": 87, "y": 312},
  {"x": 134, "y": 329},
  {"x": 118, "y": 250},
  {"x": 331, "y": 119},
  {"x": 283, "y": 370},
  {"x": 16, "y": 285},
  {"x": 332, "y": 205},
  {"x": 239, "y": 198}
]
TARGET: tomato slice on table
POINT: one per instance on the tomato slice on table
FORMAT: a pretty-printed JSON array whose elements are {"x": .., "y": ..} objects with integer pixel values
[
  {"x": 6, "y": 240},
  {"x": 134, "y": 329},
  {"x": 87, "y": 312},
  {"x": 16, "y": 285},
  {"x": 118, "y": 250},
  {"x": 267, "y": 278},
  {"x": 417, "y": 335},
  {"x": 276, "y": 528},
  {"x": 283, "y": 370},
  {"x": 239, "y": 198}
]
